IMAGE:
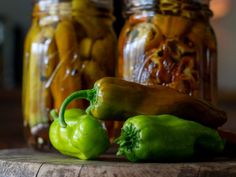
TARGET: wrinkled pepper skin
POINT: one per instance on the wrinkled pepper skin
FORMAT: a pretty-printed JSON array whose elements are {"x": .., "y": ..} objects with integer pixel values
[
  {"x": 117, "y": 99},
  {"x": 166, "y": 138},
  {"x": 83, "y": 137}
]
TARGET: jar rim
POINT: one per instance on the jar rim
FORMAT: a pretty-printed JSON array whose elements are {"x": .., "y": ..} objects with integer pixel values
[
  {"x": 161, "y": 6},
  {"x": 104, "y": 4},
  {"x": 138, "y": 3}
]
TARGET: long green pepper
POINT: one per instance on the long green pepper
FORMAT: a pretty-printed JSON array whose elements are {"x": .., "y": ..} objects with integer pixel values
[{"x": 166, "y": 138}]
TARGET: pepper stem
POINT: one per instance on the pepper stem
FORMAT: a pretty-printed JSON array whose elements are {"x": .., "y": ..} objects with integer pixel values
[
  {"x": 82, "y": 94},
  {"x": 128, "y": 140},
  {"x": 54, "y": 114}
]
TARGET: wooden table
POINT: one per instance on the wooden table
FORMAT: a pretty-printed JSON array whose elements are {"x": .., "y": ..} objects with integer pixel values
[{"x": 31, "y": 163}]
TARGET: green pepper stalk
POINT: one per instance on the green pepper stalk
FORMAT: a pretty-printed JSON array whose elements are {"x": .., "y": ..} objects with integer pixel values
[
  {"x": 116, "y": 99},
  {"x": 166, "y": 138},
  {"x": 84, "y": 136},
  {"x": 83, "y": 94}
]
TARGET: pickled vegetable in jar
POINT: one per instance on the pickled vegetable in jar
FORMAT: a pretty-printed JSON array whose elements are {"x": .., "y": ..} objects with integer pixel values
[
  {"x": 66, "y": 54},
  {"x": 98, "y": 47},
  {"x": 170, "y": 43},
  {"x": 33, "y": 30},
  {"x": 39, "y": 10}
]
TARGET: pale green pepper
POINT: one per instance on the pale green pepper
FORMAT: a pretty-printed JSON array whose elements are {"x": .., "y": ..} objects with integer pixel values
[{"x": 83, "y": 136}]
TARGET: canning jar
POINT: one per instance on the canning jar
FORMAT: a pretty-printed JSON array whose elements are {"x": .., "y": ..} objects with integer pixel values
[
  {"x": 170, "y": 43},
  {"x": 74, "y": 45}
]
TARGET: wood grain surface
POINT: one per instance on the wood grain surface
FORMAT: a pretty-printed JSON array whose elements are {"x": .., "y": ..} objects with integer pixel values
[{"x": 30, "y": 163}]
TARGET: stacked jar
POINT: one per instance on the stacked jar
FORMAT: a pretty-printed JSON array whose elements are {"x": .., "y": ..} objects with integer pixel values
[
  {"x": 170, "y": 43},
  {"x": 67, "y": 51}
]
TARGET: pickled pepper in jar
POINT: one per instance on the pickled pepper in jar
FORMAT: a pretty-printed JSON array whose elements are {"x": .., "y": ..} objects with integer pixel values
[
  {"x": 170, "y": 43},
  {"x": 66, "y": 54},
  {"x": 98, "y": 50}
]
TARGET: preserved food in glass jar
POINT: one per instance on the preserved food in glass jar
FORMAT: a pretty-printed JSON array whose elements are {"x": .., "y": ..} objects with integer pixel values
[
  {"x": 170, "y": 43},
  {"x": 74, "y": 46}
]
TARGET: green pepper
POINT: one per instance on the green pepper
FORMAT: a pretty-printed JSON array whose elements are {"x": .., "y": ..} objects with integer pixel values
[
  {"x": 83, "y": 137},
  {"x": 117, "y": 99},
  {"x": 166, "y": 138}
]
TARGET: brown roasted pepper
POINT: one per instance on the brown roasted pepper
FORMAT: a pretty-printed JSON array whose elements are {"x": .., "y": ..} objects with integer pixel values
[{"x": 116, "y": 99}]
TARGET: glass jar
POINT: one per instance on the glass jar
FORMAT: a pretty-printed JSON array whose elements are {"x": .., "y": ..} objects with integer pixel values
[
  {"x": 69, "y": 52},
  {"x": 170, "y": 43}
]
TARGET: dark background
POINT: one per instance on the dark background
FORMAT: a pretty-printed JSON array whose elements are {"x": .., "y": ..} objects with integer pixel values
[{"x": 15, "y": 19}]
